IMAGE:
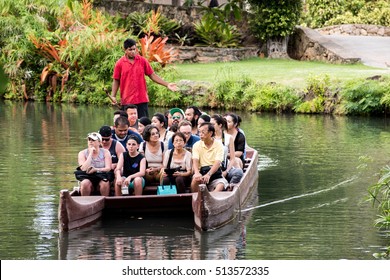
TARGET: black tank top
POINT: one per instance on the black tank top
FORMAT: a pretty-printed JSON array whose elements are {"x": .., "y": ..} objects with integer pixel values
[
  {"x": 131, "y": 165},
  {"x": 114, "y": 156}
]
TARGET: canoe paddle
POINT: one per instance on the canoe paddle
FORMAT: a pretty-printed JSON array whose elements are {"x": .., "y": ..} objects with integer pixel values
[{"x": 109, "y": 96}]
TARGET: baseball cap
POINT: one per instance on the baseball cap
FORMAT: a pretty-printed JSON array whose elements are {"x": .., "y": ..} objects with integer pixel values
[
  {"x": 175, "y": 110},
  {"x": 95, "y": 136},
  {"x": 105, "y": 131}
]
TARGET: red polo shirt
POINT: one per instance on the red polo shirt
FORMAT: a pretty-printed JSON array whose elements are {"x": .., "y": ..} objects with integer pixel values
[{"x": 132, "y": 83}]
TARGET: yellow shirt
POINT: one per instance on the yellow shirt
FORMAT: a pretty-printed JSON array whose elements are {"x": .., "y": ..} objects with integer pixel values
[{"x": 207, "y": 156}]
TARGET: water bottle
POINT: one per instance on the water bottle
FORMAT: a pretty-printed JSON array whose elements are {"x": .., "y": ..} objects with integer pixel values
[{"x": 125, "y": 190}]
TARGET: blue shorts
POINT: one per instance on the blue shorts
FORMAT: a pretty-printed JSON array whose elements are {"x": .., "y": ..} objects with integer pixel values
[{"x": 131, "y": 185}]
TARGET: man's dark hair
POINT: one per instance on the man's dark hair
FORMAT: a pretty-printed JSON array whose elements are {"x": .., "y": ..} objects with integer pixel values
[
  {"x": 121, "y": 113},
  {"x": 210, "y": 128},
  {"x": 131, "y": 106},
  {"x": 206, "y": 118},
  {"x": 129, "y": 43},
  {"x": 197, "y": 112},
  {"x": 122, "y": 121}
]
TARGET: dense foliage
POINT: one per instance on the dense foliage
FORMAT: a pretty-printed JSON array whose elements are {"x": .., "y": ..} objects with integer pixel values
[
  {"x": 274, "y": 19},
  {"x": 320, "y": 13},
  {"x": 379, "y": 195},
  {"x": 66, "y": 50},
  {"x": 62, "y": 52},
  {"x": 321, "y": 96},
  {"x": 215, "y": 28}
]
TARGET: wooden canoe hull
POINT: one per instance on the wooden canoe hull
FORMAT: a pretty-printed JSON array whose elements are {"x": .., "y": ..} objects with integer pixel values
[
  {"x": 149, "y": 204},
  {"x": 214, "y": 210},
  {"x": 78, "y": 211},
  {"x": 210, "y": 210}
]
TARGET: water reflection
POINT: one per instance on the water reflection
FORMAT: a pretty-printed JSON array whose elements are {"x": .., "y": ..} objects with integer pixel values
[{"x": 151, "y": 239}]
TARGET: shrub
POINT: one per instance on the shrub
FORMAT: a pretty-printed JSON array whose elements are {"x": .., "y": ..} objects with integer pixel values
[
  {"x": 154, "y": 50},
  {"x": 151, "y": 23},
  {"x": 365, "y": 97},
  {"x": 315, "y": 95},
  {"x": 379, "y": 195},
  {"x": 274, "y": 19},
  {"x": 271, "y": 97},
  {"x": 216, "y": 31},
  {"x": 228, "y": 90},
  {"x": 161, "y": 96},
  {"x": 321, "y": 13}
]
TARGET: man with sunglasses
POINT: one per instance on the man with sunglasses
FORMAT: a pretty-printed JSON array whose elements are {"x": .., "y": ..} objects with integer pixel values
[
  {"x": 177, "y": 115},
  {"x": 129, "y": 76},
  {"x": 114, "y": 147}
]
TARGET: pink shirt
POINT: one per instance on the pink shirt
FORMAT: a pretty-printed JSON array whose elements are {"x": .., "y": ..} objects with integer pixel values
[{"x": 132, "y": 83}]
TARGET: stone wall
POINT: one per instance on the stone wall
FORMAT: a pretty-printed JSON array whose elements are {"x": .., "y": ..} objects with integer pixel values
[
  {"x": 207, "y": 54},
  {"x": 308, "y": 44},
  {"x": 125, "y": 7},
  {"x": 356, "y": 30}
]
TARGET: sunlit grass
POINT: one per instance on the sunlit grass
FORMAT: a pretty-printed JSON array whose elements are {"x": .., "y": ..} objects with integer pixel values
[{"x": 287, "y": 72}]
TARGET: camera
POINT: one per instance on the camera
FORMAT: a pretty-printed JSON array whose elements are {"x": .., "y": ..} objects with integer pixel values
[{"x": 170, "y": 171}]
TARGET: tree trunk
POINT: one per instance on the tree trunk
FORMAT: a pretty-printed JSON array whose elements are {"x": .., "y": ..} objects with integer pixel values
[{"x": 277, "y": 47}]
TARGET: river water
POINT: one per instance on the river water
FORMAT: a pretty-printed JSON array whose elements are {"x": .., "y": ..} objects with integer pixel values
[{"x": 314, "y": 172}]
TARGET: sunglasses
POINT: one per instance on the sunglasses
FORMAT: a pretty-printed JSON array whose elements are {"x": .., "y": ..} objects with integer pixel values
[
  {"x": 106, "y": 139},
  {"x": 176, "y": 117}
]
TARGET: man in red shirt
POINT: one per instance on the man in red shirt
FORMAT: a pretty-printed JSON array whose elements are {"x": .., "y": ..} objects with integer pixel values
[{"x": 129, "y": 77}]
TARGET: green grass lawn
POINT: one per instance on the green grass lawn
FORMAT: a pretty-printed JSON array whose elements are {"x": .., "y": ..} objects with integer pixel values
[{"x": 282, "y": 71}]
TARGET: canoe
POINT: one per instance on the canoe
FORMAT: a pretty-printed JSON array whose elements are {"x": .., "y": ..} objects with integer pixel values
[
  {"x": 209, "y": 210},
  {"x": 215, "y": 209}
]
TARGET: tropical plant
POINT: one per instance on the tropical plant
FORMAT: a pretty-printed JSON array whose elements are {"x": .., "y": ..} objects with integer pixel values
[
  {"x": 315, "y": 95},
  {"x": 154, "y": 50},
  {"x": 151, "y": 23},
  {"x": 182, "y": 40},
  {"x": 364, "y": 97},
  {"x": 379, "y": 195},
  {"x": 271, "y": 97},
  {"x": 230, "y": 92},
  {"x": 213, "y": 32},
  {"x": 72, "y": 45},
  {"x": 18, "y": 18}
]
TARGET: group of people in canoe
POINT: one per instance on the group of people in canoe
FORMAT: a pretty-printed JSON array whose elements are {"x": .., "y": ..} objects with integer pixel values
[{"x": 180, "y": 148}]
